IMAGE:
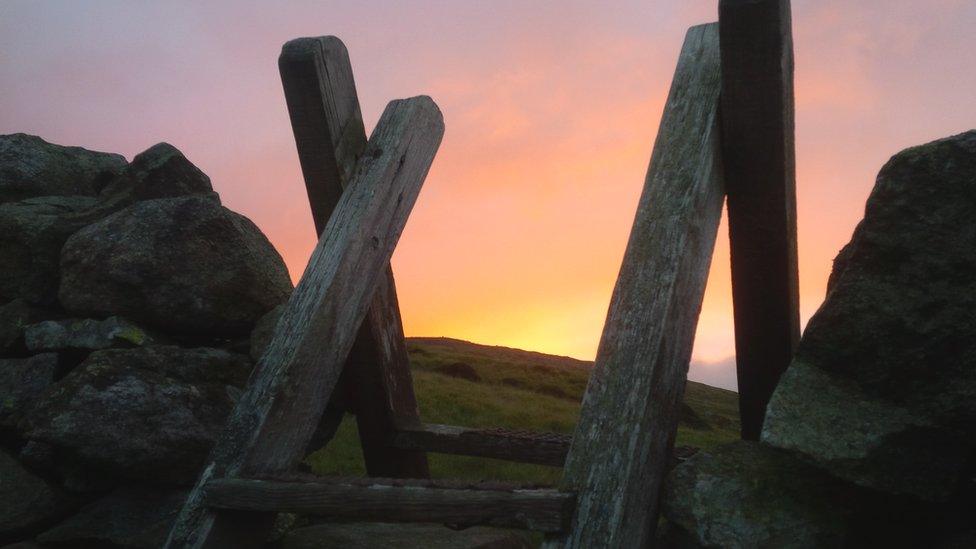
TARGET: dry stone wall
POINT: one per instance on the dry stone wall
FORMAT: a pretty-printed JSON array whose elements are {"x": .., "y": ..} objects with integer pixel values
[{"x": 127, "y": 297}]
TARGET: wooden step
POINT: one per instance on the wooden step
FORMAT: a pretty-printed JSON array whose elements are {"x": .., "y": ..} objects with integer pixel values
[
  {"x": 513, "y": 445},
  {"x": 360, "y": 535},
  {"x": 456, "y": 504},
  {"x": 536, "y": 447}
]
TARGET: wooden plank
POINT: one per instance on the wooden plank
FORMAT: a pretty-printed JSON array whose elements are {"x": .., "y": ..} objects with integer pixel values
[
  {"x": 328, "y": 125},
  {"x": 376, "y": 500},
  {"x": 520, "y": 446},
  {"x": 382, "y": 386},
  {"x": 326, "y": 119},
  {"x": 625, "y": 435},
  {"x": 512, "y": 445},
  {"x": 760, "y": 176},
  {"x": 270, "y": 427}
]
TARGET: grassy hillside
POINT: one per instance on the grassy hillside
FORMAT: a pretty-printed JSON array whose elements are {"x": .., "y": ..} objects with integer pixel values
[{"x": 461, "y": 383}]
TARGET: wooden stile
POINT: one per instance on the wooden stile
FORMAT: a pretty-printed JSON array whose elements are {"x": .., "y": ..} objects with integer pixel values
[
  {"x": 326, "y": 118},
  {"x": 458, "y": 505},
  {"x": 269, "y": 429},
  {"x": 760, "y": 177},
  {"x": 623, "y": 443},
  {"x": 339, "y": 344}
]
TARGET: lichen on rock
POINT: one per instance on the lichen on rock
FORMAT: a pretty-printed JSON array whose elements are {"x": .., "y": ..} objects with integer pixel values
[
  {"x": 149, "y": 413},
  {"x": 180, "y": 265},
  {"x": 86, "y": 334}
]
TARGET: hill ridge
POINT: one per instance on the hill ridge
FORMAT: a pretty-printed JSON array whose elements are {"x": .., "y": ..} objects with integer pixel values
[{"x": 495, "y": 349}]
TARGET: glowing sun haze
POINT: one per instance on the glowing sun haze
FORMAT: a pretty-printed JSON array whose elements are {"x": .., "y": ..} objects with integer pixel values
[{"x": 551, "y": 110}]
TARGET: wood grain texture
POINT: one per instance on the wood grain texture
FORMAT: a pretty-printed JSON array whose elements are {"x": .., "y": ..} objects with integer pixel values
[
  {"x": 543, "y": 510},
  {"x": 326, "y": 119},
  {"x": 323, "y": 105},
  {"x": 759, "y": 157},
  {"x": 270, "y": 427},
  {"x": 520, "y": 446},
  {"x": 625, "y": 436}
]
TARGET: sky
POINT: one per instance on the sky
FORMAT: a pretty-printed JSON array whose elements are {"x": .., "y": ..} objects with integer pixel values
[{"x": 551, "y": 110}]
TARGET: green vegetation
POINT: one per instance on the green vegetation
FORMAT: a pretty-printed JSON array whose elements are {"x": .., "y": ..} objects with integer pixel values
[{"x": 461, "y": 383}]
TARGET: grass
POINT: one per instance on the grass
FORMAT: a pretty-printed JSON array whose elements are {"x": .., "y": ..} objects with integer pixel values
[{"x": 514, "y": 389}]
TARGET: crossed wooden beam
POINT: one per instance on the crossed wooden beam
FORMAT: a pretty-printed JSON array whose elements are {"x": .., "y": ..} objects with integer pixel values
[
  {"x": 344, "y": 308},
  {"x": 339, "y": 345},
  {"x": 328, "y": 125}
]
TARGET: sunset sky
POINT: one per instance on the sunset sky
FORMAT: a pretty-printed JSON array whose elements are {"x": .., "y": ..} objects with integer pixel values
[{"x": 551, "y": 110}]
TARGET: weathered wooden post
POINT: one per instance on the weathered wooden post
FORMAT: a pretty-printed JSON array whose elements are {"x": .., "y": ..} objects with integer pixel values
[
  {"x": 269, "y": 429},
  {"x": 620, "y": 452},
  {"x": 760, "y": 178},
  {"x": 328, "y": 125}
]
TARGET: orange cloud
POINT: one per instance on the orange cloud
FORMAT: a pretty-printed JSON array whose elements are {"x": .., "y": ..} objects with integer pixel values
[{"x": 551, "y": 111}]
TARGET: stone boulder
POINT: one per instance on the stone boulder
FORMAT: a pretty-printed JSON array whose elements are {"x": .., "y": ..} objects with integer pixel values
[
  {"x": 161, "y": 171},
  {"x": 882, "y": 390},
  {"x": 22, "y": 382},
  {"x": 32, "y": 233},
  {"x": 461, "y": 370},
  {"x": 31, "y": 167},
  {"x": 134, "y": 517},
  {"x": 182, "y": 265},
  {"x": 748, "y": 495},
  {"x": 86, "y": 334},
  {"x": 27, "y": 502},
  {"x": 149, "y": 413},
  {"x": 14, "y": 316}
]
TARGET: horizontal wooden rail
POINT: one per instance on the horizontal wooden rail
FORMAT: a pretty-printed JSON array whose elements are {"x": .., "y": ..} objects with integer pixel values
[
  {"x": 540, "y": 448},
  {"x": 521, "y": 446},
  {"x": 392, "y": 500}
]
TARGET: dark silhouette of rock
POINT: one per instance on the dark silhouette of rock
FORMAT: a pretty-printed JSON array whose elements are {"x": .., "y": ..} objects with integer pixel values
[
  {"x": 402, "y": 536},
  {"x": 134, "y": 517},
  {"x": 161, "y": 171},
  {"x": 749, "y": 495},
  {"x": 156, "y": 259},
  {"x": 31, "y": 167},
  {"x": 86, "y": 334},
  {"x": 27, "y": 502},
  {"x": 461, "y": 370},
  {"x": 22, "y": 382},
  {"x": 33, "y": 230},
  {"x": 149, "y": 413},
  {"x": 881, "y": 390},
  {"x": 962, "y": 540},
  {"x": 183, "y": 265},
  {"x": 32, "y": 233}
]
